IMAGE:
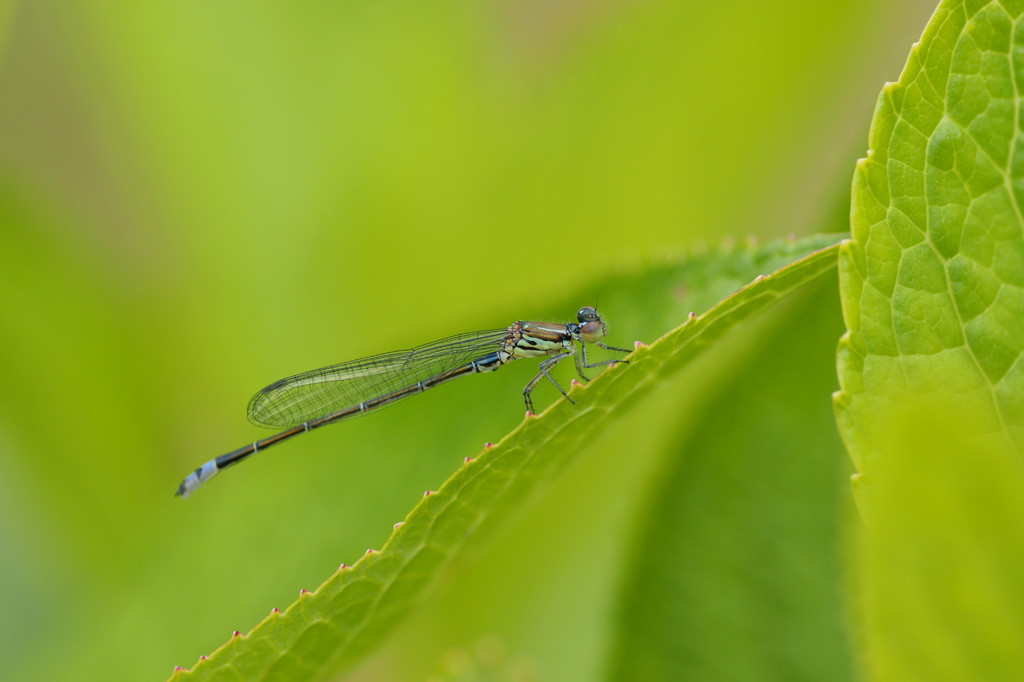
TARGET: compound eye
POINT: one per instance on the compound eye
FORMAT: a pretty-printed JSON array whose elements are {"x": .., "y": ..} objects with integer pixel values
[{"x": 587, "y": 314}]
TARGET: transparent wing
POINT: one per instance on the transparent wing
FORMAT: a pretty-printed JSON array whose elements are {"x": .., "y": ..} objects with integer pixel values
[{"x": 320, "y": 392}]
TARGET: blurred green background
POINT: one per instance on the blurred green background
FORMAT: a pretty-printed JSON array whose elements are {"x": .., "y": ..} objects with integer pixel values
[{"x": 197, "y": 199}]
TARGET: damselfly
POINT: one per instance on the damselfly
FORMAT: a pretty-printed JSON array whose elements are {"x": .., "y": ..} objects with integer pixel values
[{"x": 323, "y": 396}]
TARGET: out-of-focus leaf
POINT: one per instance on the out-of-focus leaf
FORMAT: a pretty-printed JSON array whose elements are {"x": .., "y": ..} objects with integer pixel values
[
  {"x": 740, "y": 550},
  {"x": 940, "y": 570}
]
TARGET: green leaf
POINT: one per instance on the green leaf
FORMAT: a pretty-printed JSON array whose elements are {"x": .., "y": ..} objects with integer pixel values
[
  {"x": 327, "y": 630},
  {"x": 930, "y": 370},
  {"x": 940, "y": 578},
  {"x": 740, "y": 549},
  {"x": 933, "y": 279}
]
